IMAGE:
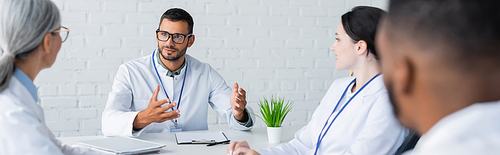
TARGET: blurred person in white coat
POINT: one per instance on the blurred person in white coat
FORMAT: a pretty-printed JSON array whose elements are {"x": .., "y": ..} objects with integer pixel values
[
  {"x": 169, "y": 90},
  {"x": 355, "y": 116},
  {"x": 30, "y": 38},
  {"x": 441, "y": 65}
]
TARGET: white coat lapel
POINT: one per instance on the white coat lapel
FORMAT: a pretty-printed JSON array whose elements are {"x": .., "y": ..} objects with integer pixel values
[
  {"x": 350, "y": 109},
  {"x": 29, "y": 102},
  {"x": 358, "y": 100}
]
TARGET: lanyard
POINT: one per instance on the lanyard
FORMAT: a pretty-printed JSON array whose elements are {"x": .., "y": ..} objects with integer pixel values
[
  {"x": 320, "y": 137},
  {"x": 161, "y": 83}
]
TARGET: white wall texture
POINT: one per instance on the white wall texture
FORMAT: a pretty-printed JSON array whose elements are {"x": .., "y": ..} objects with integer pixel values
[{"x": 271, "y": 47}]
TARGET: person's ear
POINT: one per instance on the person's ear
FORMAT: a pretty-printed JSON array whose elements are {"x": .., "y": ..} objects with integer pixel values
[
  {"x": 46, "y": 44},
  {"x": 156, "y": 37},
  {"x": 361, "y": 47},
  {"x": 404, "y": 76},
  {"x": 191, "y": 41}
]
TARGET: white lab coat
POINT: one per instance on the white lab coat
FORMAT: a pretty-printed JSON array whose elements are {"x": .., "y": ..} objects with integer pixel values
[
  {"x": 135, "y": 82},
  {"x": 472, "y": 130},
  {"x": 22, "y": 125},
  {"x": 367, "y": 125}
]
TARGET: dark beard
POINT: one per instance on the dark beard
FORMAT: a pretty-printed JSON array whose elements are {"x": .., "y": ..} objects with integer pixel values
[
  {"x": 179, "y": 55},
  {"x": 394, "y": 104}
]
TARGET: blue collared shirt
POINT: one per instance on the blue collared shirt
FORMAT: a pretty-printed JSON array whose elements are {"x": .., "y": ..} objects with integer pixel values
[{"x": 26, "y": 81}]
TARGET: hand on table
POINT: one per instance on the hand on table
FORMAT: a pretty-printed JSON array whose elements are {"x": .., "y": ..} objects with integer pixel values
[
  {"x": 240, "y": 148},
  {"x": 238, "y": 102},
  {"x": 155, "y": 112}
]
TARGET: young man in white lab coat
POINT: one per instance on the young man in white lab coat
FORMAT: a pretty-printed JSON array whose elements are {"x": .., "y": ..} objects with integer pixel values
[
  {"x": 441, "y": 62},
  {"x": 143, "y": 88}
]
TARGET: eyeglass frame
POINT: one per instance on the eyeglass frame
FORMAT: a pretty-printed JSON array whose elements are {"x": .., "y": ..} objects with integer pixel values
[
  {"x": 172, "y": 35},
  {"x": 62, "y": 29}
]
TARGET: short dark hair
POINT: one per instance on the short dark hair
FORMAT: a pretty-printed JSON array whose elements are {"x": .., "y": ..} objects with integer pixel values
[
  {"x": 467, "y": 29},
  {"x": 178, "y": 14},
  {"x": 361, "y": 23}
]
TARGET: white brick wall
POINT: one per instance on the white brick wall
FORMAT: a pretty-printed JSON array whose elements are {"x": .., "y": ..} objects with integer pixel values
[{"x": 271, "y": 47}]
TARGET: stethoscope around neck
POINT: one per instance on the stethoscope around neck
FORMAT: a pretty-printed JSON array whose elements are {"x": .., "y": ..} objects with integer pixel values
[{"x": 161, "y": 82}]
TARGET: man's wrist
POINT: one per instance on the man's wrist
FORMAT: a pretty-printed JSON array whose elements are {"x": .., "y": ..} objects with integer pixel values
[
  {"x": 247, "y": 122},
  {"x": 139, "y": 123},
  {"x": 243, "y": 117}
]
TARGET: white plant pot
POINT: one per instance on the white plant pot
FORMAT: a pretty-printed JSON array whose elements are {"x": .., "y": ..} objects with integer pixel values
[{"x": 274, "y": 134}]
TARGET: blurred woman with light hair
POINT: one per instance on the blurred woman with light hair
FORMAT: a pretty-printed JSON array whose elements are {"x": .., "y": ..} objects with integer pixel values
[{"x": 30, "y": 38}]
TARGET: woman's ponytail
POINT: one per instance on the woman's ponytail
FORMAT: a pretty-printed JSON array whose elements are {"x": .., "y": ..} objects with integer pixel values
[{"x": 7, "y": 68}]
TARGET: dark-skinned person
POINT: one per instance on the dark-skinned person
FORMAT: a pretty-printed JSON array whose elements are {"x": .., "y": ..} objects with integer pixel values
[{"x": 441, "y": 65}]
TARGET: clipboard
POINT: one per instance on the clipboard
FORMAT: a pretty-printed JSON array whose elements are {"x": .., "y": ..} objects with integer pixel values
[{"x": 210, "y": 138}]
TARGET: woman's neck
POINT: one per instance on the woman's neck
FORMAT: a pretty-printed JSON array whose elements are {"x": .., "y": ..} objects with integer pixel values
[
  {"x": 364, "y": 72},
  {"x": 30, "y": 66}
]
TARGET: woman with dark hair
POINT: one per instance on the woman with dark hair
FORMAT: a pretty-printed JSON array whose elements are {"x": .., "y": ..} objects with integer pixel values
[
  {"x": 30, "y": 38},
  {"x": 355, "y": 116}
]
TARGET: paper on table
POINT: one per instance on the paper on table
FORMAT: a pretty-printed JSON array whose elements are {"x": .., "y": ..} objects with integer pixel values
[
  {"x": 200, "y": 138},
  {"x": 122, "y": 145}
]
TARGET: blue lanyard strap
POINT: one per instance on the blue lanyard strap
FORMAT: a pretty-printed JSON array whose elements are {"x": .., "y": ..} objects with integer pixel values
[
  {"x": 321, "y": 134},
  {"x": 161, "y": 83}
]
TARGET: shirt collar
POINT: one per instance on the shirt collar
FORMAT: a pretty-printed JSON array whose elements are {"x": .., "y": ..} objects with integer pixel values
[
  {"x": 169, "y": 73},
  {"x": 26, "y": 81}
]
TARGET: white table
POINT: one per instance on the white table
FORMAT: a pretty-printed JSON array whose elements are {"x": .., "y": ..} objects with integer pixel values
[{"x": 256, "y": 138}]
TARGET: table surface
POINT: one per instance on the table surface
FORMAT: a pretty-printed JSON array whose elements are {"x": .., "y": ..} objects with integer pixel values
[{"x": 256, "y": 138}]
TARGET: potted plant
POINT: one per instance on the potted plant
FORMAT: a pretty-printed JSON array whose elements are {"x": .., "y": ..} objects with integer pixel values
[{"x": 273, "y": 113}]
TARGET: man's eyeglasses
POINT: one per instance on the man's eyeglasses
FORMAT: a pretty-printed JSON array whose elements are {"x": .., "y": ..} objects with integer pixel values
[
  {"x": 63, "y": 32},
  {"x": 176, "y": 37}
]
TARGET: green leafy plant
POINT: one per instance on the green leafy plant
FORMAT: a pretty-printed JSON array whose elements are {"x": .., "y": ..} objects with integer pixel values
[{"x": 274, "y": 111}]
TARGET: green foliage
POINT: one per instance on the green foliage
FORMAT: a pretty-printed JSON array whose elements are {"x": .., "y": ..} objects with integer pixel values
[{"x": 274, "y": 111}]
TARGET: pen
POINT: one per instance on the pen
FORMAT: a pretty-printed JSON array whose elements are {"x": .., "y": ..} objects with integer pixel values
[{"x": 223, "y": 142}]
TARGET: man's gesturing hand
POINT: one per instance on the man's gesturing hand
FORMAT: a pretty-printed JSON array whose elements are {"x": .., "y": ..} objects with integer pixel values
[
  {"x": 155, "y": 112},
  {"x": 238, "y": 102}
]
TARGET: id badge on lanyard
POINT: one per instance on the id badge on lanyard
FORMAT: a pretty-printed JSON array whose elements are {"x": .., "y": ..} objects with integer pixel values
[{"x": 177, "y": 127}]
